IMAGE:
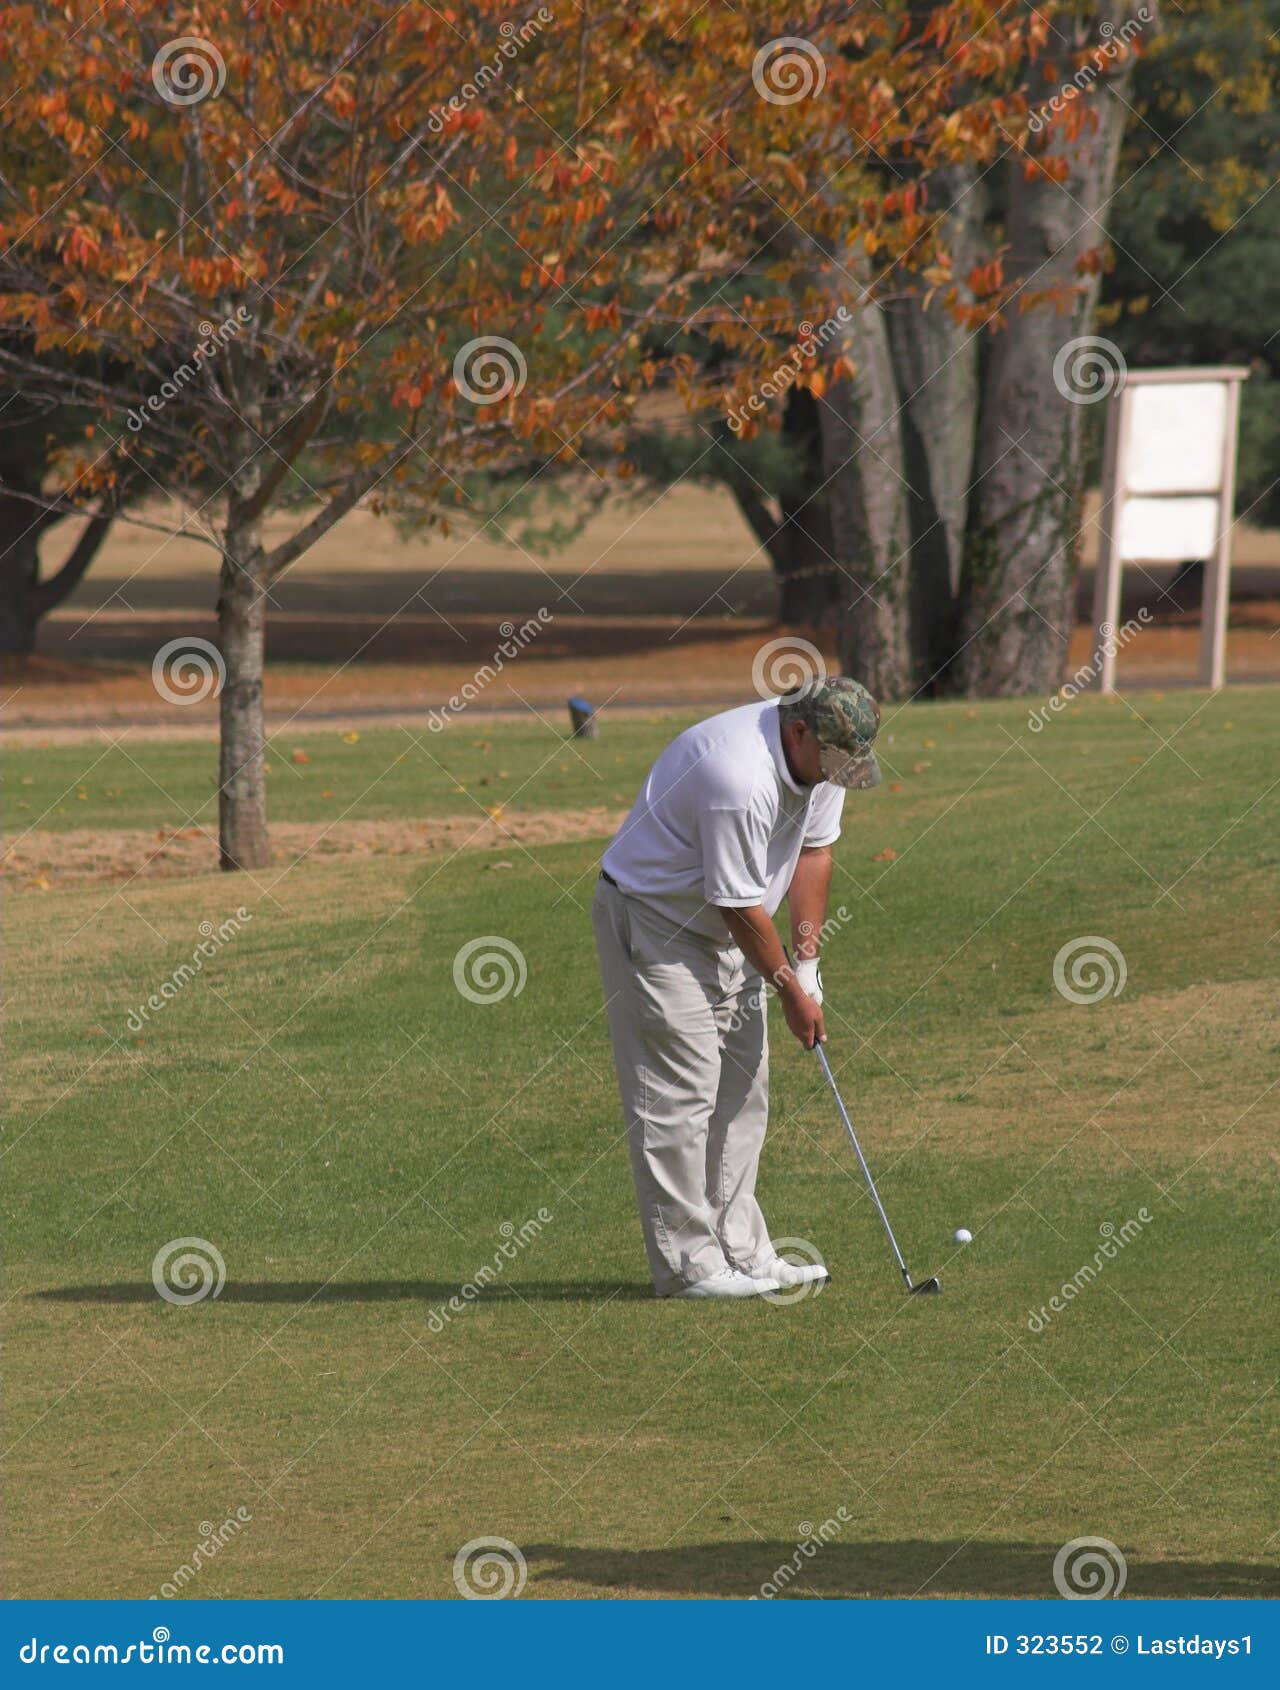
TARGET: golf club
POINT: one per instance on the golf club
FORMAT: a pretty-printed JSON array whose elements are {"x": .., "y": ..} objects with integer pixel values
[{"x": 925, "y": 1285}]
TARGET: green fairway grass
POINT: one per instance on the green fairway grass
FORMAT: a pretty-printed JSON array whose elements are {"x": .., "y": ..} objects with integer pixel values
[
  {"x": 374, "y": 775},
  {"x": 360, "y": 1141}
]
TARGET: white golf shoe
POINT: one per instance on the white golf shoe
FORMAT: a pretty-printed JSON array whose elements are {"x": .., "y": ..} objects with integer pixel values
[
  {"x": 787, "y": 1275},
  {"x": 728, "y": 1283}
]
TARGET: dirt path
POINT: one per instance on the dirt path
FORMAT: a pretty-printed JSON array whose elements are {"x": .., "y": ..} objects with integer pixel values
[{"x": 43, "y": 862}]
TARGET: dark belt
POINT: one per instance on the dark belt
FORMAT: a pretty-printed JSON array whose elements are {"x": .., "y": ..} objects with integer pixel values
[{"x": 606, "y": 876}]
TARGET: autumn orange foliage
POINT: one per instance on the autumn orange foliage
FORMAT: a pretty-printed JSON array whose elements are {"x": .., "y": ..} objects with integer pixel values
[{"x": 308, "y": 252}]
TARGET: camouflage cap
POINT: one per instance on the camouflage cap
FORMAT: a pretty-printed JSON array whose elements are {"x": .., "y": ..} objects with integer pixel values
[{"x": 844, "y": 719}]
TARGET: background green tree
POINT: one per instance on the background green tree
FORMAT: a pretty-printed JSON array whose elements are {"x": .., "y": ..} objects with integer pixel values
[{"x": 1195, "y": 229}]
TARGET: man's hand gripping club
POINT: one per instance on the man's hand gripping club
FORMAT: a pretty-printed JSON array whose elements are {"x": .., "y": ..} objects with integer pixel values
[{"x": 752, "y": 930}]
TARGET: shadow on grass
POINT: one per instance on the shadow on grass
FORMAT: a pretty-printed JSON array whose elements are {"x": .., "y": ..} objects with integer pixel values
[
  {"x": 872, "y": 1569},
  {"x": 368, "y": 1291}
]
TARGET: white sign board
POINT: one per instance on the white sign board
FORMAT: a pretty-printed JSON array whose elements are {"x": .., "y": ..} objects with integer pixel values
[
  {"x": 1177, "y": 431},
  {"x": 1168, "y": 530},
  {"x": 1168, "y": 492}
]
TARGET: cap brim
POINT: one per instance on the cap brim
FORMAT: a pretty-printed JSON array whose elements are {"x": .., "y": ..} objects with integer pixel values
[{"x": 841, "y": 768}]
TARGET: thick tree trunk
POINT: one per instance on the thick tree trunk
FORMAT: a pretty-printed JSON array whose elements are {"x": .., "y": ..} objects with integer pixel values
[
  {"x": 935, "y": 360},
  {"x": 1019, "y": 564},
  {"x": 808, "y": 576},
  {"x": 870, "y": 518},
  {"x": 952, "y": 460},
  {"x": 808, "y": 591},
  {"x": 24, "y": 597},
  {"x": 48, "y": 594},
  {"x": 242, "y": 798},
  {"x": 20, "y": 526},
  {"x": 796, "y": 539}
]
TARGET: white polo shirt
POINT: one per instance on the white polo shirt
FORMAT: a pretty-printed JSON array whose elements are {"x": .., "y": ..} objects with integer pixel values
[{"x": 720, "y": 821}]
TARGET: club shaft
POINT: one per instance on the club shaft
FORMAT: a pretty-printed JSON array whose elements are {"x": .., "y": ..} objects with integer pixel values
[{"x": 866, "y": 1171}]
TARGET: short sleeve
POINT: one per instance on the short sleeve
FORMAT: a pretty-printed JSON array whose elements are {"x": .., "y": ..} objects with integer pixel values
[
  {"x": 735, "y": 854},
  {"x": 823, "y": 826}
]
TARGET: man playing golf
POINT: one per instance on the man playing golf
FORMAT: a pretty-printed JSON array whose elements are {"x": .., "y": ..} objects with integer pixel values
[{"x": 738, "y": 813}]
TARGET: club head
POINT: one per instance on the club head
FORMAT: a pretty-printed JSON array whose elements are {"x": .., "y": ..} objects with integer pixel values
[{"x": 926, "y": 1285}]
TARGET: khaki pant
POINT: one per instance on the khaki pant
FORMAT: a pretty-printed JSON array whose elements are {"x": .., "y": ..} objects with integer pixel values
[{"x": 691, "y": 1044}]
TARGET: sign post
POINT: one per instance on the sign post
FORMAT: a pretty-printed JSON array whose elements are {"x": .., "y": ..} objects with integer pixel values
[{"x": 1167, "y": 496}]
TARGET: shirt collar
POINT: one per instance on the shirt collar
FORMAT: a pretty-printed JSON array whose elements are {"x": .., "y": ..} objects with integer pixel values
[{"x": 773, "y": 739}]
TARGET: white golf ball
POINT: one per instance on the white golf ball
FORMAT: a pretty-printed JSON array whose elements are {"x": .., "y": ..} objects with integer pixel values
[{"x": 962, "y": 1235}]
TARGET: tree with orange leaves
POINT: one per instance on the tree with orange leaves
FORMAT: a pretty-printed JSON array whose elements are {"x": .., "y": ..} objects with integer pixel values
[
  {"x": 923, "y": 495},
  {"x": 350, "y": 255}
]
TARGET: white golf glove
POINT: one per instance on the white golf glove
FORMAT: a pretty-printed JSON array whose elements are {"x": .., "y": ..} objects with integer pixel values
[{"x": 807, "y": 973}]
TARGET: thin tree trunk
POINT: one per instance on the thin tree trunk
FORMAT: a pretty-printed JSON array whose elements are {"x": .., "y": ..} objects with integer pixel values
[
  {"x": 242, "y": 799},
  {"x": 1019, "y": 565}
]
